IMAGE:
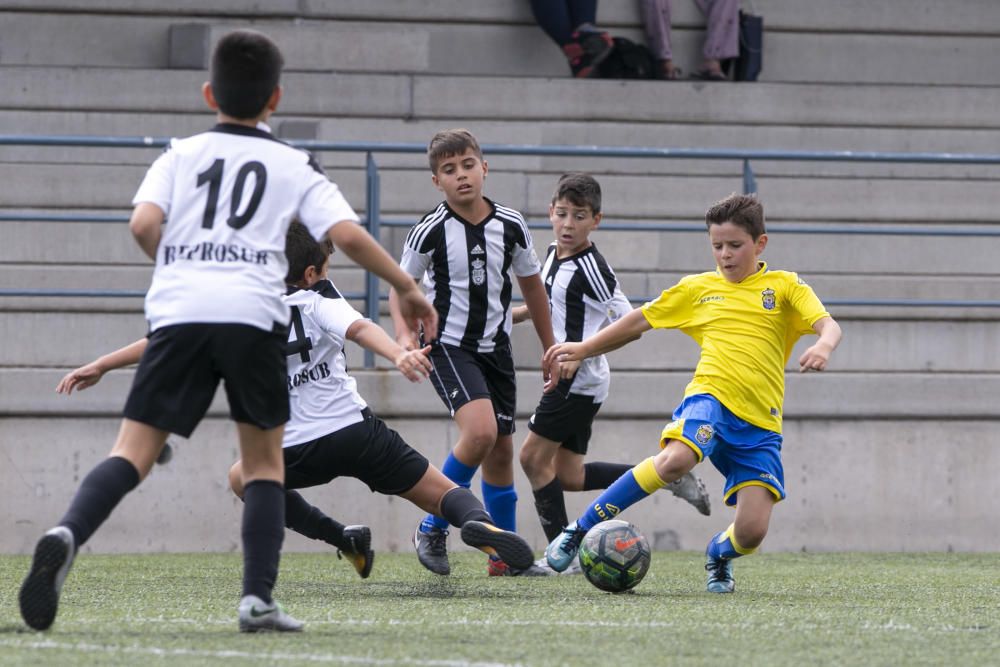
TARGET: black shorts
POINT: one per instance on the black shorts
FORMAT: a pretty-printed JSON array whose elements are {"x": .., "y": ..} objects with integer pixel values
[
  {"x": 565, "y": 418},
  {"x": 369, "y": 451},
  {"x": 461, "y": 376},
  {"x": 181, "y": 368}
]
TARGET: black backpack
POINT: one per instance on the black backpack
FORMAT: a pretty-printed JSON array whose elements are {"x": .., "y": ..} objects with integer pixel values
[{"x": 628, "y": 60}]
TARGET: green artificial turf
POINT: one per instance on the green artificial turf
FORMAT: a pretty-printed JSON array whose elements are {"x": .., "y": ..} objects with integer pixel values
[{"x": 788, "y": 609}]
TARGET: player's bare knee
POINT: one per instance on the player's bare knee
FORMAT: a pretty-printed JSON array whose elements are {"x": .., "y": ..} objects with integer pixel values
[{"x": 750, "y": 534}]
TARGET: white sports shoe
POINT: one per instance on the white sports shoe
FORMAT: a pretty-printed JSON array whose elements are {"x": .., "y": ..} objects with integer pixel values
[
  {"x": 692, "y": 489},
  {"x": 39, "y": 596},
  {"x": 572, "y": 568},
  {"x": 256, "y": 616}
]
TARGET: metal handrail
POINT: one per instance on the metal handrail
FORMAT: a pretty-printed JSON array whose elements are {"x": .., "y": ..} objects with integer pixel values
[{"x": 374, "y": 221}]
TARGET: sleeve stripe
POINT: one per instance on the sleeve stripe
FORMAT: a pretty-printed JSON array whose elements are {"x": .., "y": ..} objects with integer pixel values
[
  {"x": 512, "y": 216},
  {"x": 418, "y": 234},
  {"x": 593, "y": 273}
]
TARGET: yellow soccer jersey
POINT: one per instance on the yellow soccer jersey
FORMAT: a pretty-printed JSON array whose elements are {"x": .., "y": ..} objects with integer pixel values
[{"x": 746, "y": 332}]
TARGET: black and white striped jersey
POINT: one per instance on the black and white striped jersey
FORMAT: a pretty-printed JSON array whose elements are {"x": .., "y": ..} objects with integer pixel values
[
  {"x": 322, "y": 397},
  {"x": 228, "y": 196},
  {"x": 466, "y": 271},
  {"x": 584, "y": 296}
]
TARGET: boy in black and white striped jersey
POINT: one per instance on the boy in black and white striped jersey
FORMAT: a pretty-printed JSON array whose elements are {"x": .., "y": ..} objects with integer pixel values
[{"x": 464, "y": 252}]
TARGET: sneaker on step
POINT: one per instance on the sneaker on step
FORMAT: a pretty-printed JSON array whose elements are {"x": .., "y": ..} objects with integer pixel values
[
  {"x": 39, "y": 596},
  {"x": 720, "y": 575},
  {"x": 498, "y": 568},
  {"x": 257, "y": 616},
  {"x": 691, "y": 488},
  {"x": 587, "y": 50},
  {"x": 360, "y": 553},
  {"x": 432, "y": 550},
  {"x": 562, "y": 550},
  {"x": 504, "y": 544}
]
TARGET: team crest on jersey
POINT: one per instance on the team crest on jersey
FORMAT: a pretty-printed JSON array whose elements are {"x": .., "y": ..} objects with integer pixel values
[
  {"x": 704, "y": 434},
  {"x": 767, "y": 296},
  {"x": 478, "y": 272}
]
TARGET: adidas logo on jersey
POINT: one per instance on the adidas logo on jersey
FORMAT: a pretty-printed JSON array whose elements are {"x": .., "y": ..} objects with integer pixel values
[{"x": 477, "y": 250}]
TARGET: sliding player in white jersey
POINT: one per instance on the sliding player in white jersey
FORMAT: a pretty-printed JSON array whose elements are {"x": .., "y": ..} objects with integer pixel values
[{"x": 331, "y": 431}]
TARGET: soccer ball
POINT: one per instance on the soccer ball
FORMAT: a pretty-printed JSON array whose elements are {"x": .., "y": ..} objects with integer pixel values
[{"x": 614, "y": 556}]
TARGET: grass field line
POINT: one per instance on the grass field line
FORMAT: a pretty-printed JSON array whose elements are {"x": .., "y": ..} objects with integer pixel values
[{"x": 245, "y": 655}]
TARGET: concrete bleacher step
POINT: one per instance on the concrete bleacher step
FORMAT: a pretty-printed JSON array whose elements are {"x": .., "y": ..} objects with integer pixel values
[
  {"x": 799, "y": 46},
  {"x": 547, "y": 133},
  {"x": 431, "y": 96},
  {"x": 648, "y": 394},
  {"x": 683, "y": 252},
  {"x": 634, "y": 196},
  {"x": 878, "y": 343}
]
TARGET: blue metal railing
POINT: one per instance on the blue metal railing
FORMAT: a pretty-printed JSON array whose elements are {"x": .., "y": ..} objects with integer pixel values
[{"x": 372, "y": 297}]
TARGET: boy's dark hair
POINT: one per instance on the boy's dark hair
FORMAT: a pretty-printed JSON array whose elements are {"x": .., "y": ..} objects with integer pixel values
[
  {"x": 303, "y": 251},
  {"x": 744, "y": 211},
  {"x": 448, "y": 143},
  {"x": 246, "y": 68},
  {"x": 579, "y": 189}
]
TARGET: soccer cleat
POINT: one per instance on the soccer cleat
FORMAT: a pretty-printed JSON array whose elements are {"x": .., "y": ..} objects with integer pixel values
[
  {"x": 432, "y": 550},
  {"x": 690, "y": 488},
  {"x": 574, "y": 567},
  {"x": 257, "y": 616},
  {"x": 562, "y": 550},
  {"x": 720, "y": 575},
  {"x": 39, "y": 596},
  {"x": 360, "y": 554},
  {"x": 498, "y": 568},
  {"x": 586, "y": 51},
  {"x": 505, "y": 545}
]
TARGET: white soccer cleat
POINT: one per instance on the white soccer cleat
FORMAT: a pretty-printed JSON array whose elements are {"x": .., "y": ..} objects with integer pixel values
[
  {"x": 690, "y": 488},
  {"x": 257, "y": 616},
  {"x": 39, "y": 596}
]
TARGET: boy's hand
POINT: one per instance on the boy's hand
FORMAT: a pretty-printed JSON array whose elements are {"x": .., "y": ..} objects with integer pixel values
[
  {"x": 418, "y": 312},
  {"x": 563, "y": 352},
  {"x": 81, "y": 378},
  {"x": 408, "y": 340},
  {"x": 815, "y": 358},
  {"x": 414, "y": 364}
]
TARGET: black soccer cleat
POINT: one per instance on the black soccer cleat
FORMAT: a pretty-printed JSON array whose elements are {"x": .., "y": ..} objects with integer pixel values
[
  {"x": 432, "y": 550},
  {"x": 360, "y": 554},
  {"x": 39, "y": 596},
  {"x": 505, "y": 545}
]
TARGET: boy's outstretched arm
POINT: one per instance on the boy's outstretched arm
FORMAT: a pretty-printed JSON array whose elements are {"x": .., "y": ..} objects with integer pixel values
[
  {"x": 364, "y": 250},
  {"x": 537, "y": 302},
  {"x": 414, "y": 364},
  {"x": 818, "y": 355},
  {"x": 611, "y": 337},
  {"x": 90, "y": 374}
]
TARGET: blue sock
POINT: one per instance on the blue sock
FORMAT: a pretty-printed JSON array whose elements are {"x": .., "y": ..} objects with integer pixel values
[
  {"x": 723, "y": 545},
  {"x": 629, "y": 489},
  {"x": 457, "y": 472},
  {"x": 501, "y": 503}
]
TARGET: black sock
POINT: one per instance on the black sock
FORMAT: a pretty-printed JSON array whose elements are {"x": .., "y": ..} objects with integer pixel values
[
  {"x": 601, "y": 475},
  {"x": 551, "y": 507},
  {"x": 263, "y": 531},
  {"x": 101, "y": 491},
  {"x": 459, "y": 506},
  {"x": 309, "y": 520}
]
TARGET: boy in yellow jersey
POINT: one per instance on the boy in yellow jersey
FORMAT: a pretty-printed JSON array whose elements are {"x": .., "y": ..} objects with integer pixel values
[{"x": 746, "y": 318}]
